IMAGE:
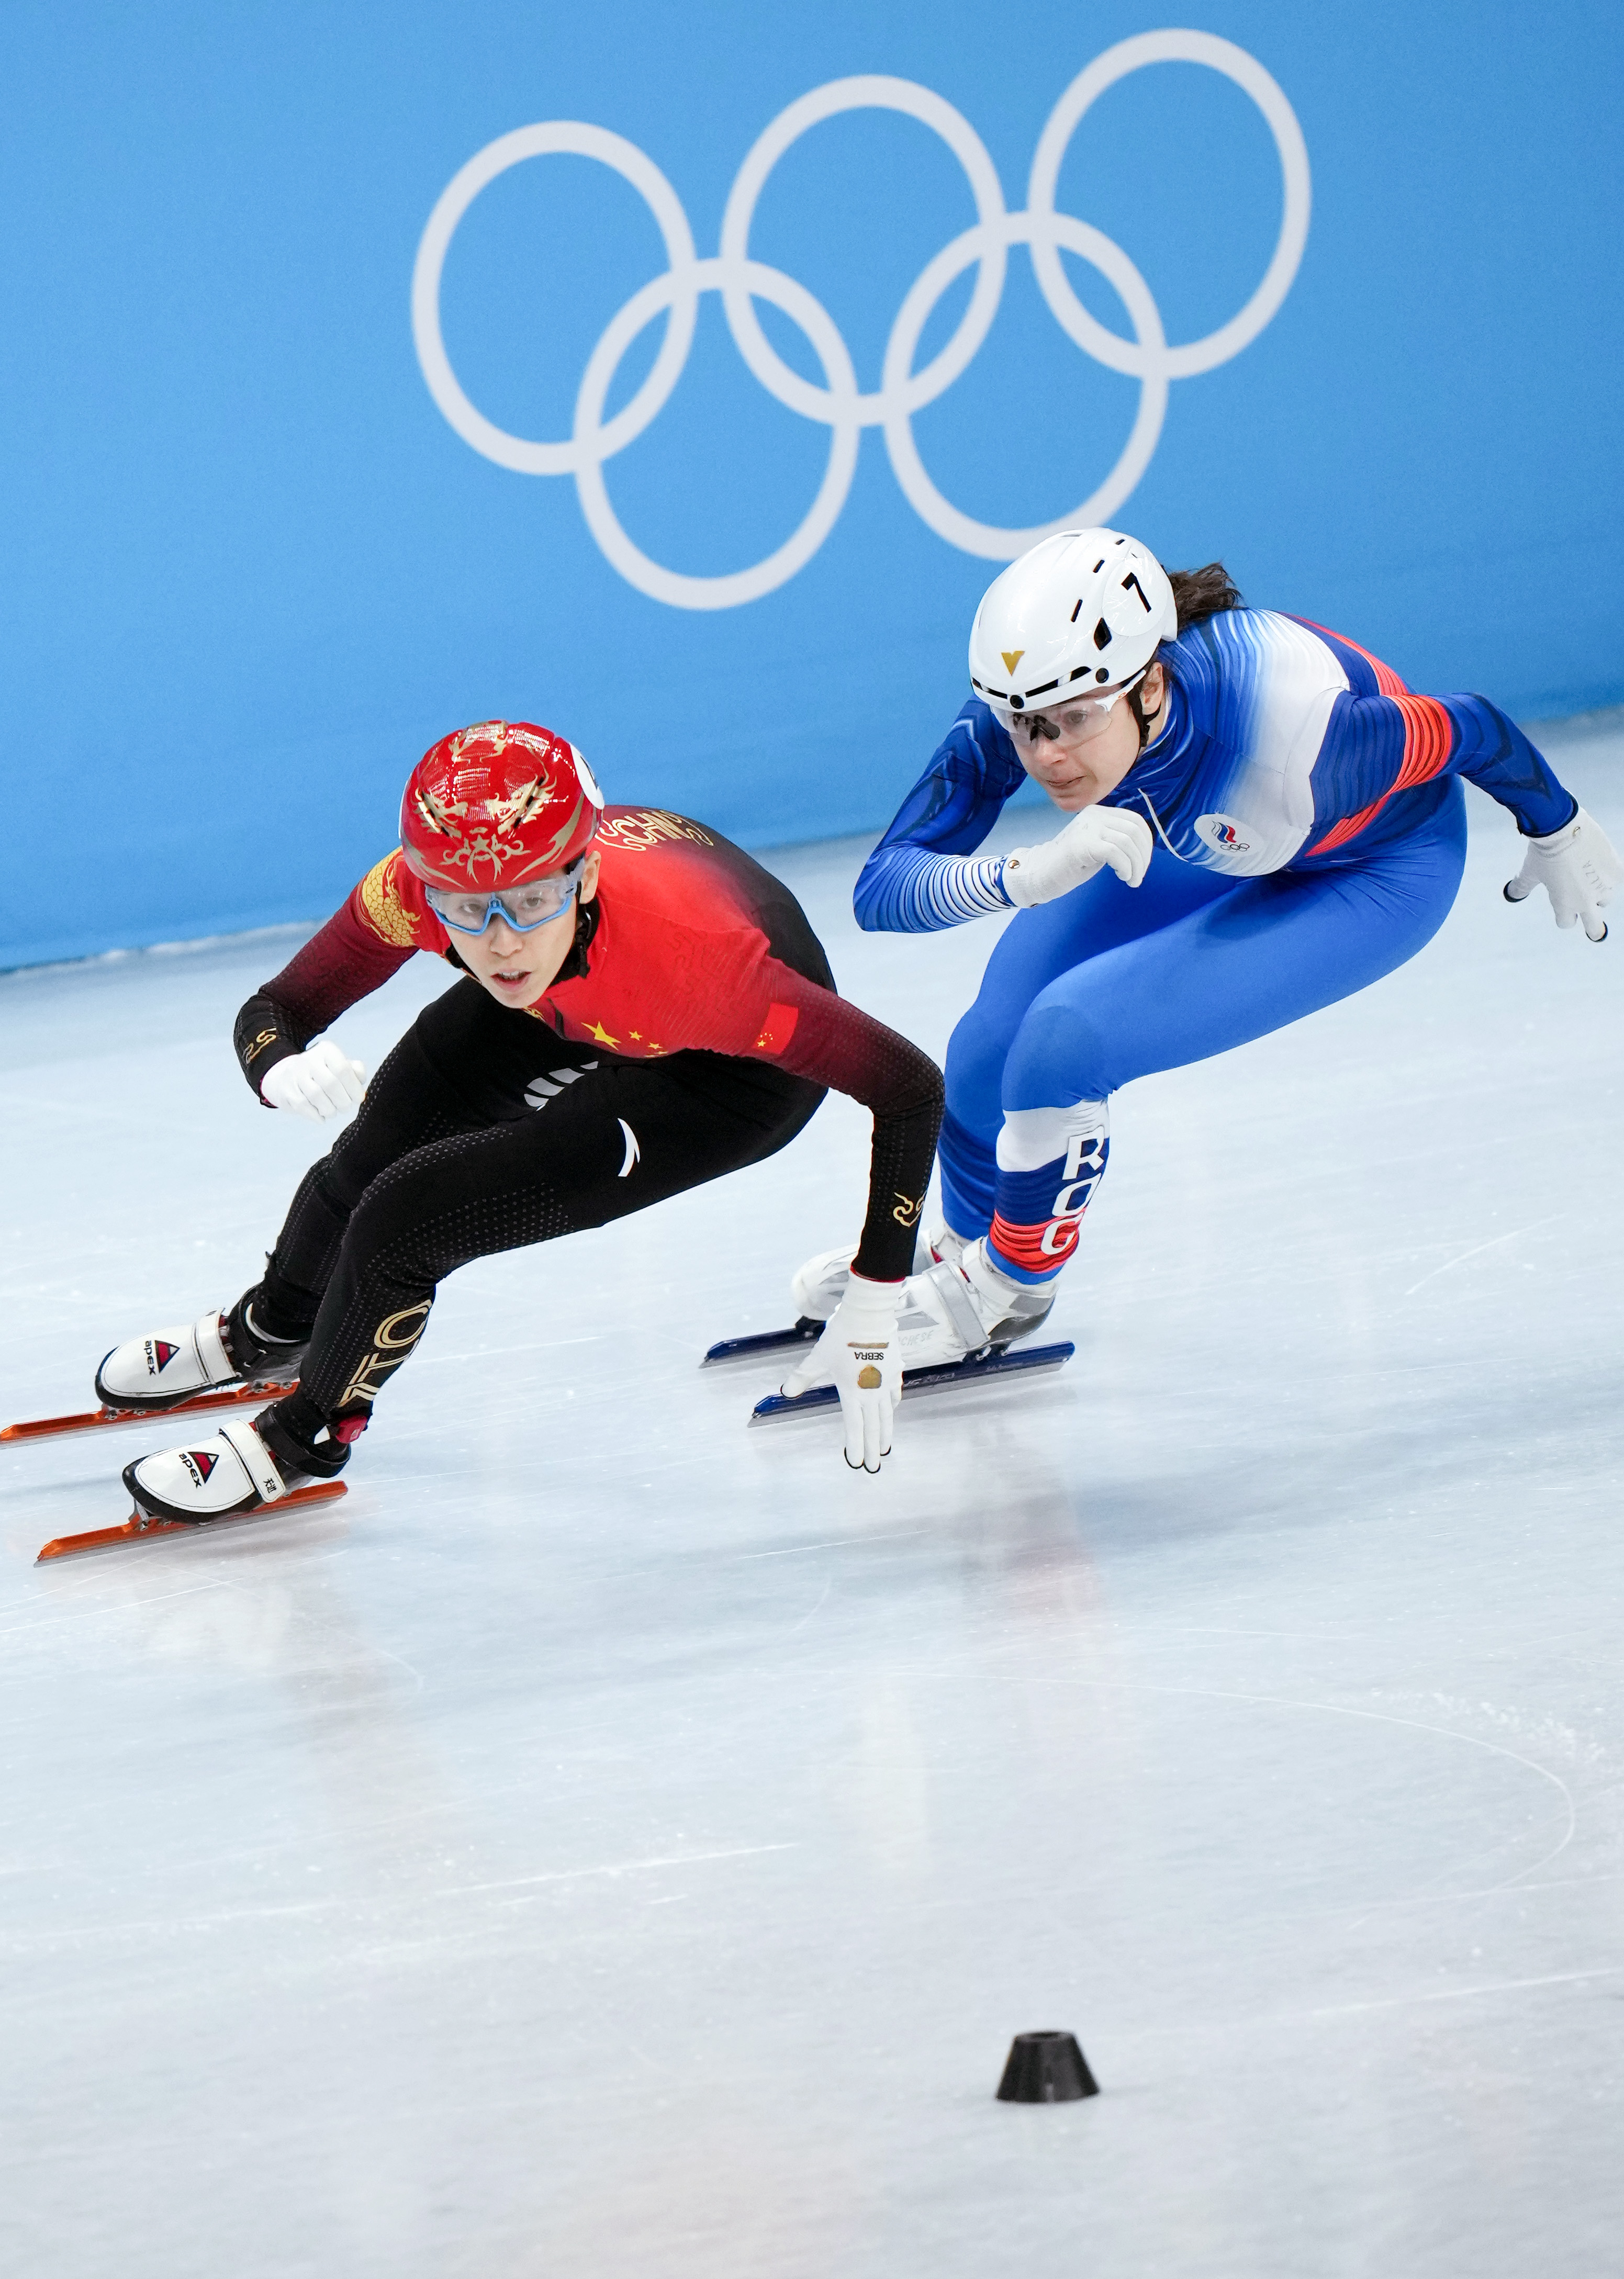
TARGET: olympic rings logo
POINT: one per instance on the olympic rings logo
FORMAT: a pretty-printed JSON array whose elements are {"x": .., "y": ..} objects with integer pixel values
[{"x": 839, "y": 404}]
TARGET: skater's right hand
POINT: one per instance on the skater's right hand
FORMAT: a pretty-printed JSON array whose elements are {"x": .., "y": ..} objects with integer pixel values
[
  {"x": 857, "y": 1354},
  {"x": 1097, "y": 836},
  {"x": 317, "y": 1084}
]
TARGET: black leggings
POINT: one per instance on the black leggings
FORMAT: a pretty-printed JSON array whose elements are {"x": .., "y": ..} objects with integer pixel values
[{"x": 484, "y": 1131}]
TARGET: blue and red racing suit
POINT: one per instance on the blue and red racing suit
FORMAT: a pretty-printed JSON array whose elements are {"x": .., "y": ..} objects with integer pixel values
[{"x": 1310, "y": 834}]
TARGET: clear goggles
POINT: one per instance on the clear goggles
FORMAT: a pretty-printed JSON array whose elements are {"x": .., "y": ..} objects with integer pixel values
[
  {"x": 1074, "y": 720},
  {"x": 537, "y": 903}
]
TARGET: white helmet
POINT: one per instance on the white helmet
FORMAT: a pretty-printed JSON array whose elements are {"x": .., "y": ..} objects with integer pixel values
[{"x": 1081, "y": 608}]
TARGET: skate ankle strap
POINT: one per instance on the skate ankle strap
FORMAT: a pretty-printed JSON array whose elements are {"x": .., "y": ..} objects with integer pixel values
[
  {"x": 255, "y": 1459},
  {"x": 954, "y": 1290},
  {"x": 292, "y": 1453},
  {"x": 214, "y": 1360}
]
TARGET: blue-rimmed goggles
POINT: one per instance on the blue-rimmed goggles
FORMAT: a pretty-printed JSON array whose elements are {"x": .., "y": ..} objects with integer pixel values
[{"x": 537, "y": 903}]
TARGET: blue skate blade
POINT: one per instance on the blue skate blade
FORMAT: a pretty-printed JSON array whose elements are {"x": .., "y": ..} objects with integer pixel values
[
  {"x": 1016, "y": 1360},
  {"x": 805, "y": 1332}
]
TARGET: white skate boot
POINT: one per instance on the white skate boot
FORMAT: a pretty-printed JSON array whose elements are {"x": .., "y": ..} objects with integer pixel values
[
  {"x": 819, "y": 1286},
  {"x": 170, "y": 1365},
  {"x": 174, "y": 1365},
  {"x": 967, "y": 1305}
]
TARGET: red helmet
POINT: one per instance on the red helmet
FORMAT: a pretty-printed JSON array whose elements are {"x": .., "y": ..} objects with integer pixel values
[{"x": 496, "y": 804}]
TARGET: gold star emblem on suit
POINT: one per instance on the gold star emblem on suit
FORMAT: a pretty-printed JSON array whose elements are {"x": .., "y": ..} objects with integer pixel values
[{"x": 601, "y": 1035}]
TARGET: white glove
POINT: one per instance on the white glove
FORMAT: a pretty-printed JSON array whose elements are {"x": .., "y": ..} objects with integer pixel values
[
  {"x": 1578, "y": 869},
  {"x": 1097, "y": 836},
  {"x": 857, "y": 1354},
  {"x": 317, "y": 1084}
]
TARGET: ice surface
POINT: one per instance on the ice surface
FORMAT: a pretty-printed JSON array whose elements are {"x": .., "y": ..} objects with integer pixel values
[{"x": 612, "y": 1841}]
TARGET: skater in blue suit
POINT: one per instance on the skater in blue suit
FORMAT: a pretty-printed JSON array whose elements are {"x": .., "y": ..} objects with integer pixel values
[{"x": 1264, "y": 820}]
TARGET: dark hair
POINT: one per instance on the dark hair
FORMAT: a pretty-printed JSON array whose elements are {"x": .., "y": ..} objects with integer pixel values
[
  {"x": 1199, "y": 594},
  {"x": 1196, "y": 593}
]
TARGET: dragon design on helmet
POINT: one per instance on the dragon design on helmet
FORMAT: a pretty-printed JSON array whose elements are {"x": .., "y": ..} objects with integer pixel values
[{"x": 498, "y": 803}]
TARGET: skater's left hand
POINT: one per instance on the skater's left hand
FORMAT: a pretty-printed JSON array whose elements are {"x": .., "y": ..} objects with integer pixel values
[
  {"x": 857, "y": 1354},
  {"x": 1578, "y": 869}
]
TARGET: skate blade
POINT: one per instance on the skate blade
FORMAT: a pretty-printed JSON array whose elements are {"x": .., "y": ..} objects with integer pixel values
[
  {"x": 263, "y": 1391},
  {"x": 138, "y": 1529},
  {"x": 805, "y": 1332},
  {"x": 948, "y": 1376}
]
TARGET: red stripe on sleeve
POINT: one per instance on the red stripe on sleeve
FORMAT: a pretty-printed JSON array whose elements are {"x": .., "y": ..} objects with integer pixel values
[{"x": 1429, "y": 738}]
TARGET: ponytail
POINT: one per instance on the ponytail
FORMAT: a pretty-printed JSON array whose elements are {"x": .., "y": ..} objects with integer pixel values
[{"x": 1198, "y": 594}]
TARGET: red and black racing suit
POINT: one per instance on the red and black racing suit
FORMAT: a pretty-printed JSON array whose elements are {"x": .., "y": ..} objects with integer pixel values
[{"x": 692, "y": 1029}]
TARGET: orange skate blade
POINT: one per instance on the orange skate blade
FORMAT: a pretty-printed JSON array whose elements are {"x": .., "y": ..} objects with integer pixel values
[
  {"x": 93, "y": 1420},
  {"x": 137, "y": 1530}
]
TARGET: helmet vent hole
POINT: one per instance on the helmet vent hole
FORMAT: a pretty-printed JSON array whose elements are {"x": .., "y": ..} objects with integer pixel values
[
  {"x": 1101, "y": 635},
  {"x": 1079, "y": 606}
]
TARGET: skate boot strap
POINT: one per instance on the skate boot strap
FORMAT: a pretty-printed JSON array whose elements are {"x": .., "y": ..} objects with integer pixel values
[
  {"x": 958, "y": 1303},
  {"x": 213, "y": 1357},
  {"x": 937, "y": 1244},
  {"x": 257, "y": 1461},
  {"x": 254, "y": 1351},
  {"x": 293, "y": 1454}
]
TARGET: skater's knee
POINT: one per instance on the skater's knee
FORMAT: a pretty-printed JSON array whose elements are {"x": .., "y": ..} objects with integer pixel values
[
  {"x": 336, "y": 1185},
  {"x": 393, "y": 1206},
  {"x": 974, "y": 1068},
  {"x": 1065, "y": 1050}
]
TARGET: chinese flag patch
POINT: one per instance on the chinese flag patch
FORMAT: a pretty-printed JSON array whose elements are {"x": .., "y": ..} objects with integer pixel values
[{"x": 778, "y": 1028}]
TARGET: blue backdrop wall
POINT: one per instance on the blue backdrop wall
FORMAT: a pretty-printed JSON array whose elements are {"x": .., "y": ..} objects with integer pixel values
[{"x": 340, "y": 411}]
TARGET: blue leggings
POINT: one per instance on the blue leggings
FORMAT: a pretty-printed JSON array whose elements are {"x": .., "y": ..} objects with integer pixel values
[{"x": 1107, "y": 983}]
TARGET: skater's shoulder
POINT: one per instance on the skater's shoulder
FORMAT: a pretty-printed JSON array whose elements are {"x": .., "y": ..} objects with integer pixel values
[
  {"x": 391, "y": 902},
  {"x": 642, "y": 831},
  {"x": 1245, "y": 676},
  {"x": 664, "y": 871},
  {"x": 975, "y": 746}
]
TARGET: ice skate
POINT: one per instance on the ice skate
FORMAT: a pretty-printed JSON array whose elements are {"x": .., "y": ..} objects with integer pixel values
[
  {"x": 141, "y": 1527},
  {"x": 816, "y": 1288},
  {"x": 241, "y": 1467},
  {"x": 220, "y": 1350},
  {"x": 965, "y": 1305},
  {"x": 960, "y": 1324}
]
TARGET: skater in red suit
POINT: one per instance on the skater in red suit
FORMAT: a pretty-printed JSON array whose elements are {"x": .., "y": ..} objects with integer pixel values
[{"x": 643, "y": 1008}]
